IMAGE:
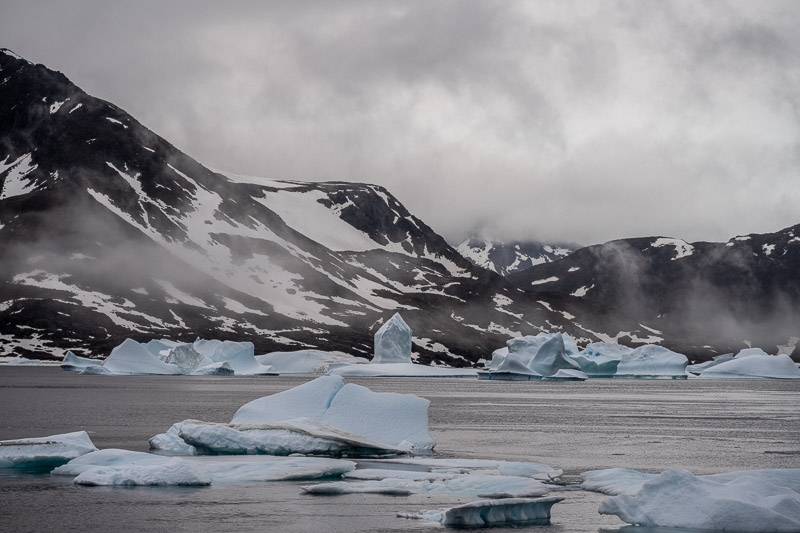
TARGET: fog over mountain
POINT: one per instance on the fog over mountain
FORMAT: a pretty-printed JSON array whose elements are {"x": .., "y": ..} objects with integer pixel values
[{"x": 549, "y": 121}]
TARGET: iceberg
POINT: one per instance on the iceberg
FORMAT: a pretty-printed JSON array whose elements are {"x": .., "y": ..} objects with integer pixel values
[
  {"x": 652, "y": 361},
  {"x": 239, "y": 356},
  {"x": 543, "y": 356},
  {"x": 393, "y": 342},
  {"x": 218, "y": 469},
  {"x": 700, "y": 367},
  {"x": 502, "y": 512},
  {"x": 76, "y": 363},
  {"x": 754, "y": 366},
  {"x": 160, "y": 348},
  {"x": 44, "y": 453},
  {"x": 678, "y": 499},
  {"x": 401, "y": 370},
  {"x": 323, "y": 416},
  {"x": 130, "y": 357},
  {"x": 174, "y": 472},
  {"x": 601, "y": 359},
  {"x": 307, "y": 361}
]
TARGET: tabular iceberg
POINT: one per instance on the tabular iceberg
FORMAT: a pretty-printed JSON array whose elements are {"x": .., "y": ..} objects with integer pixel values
[
  {"x": 754, "y": 365},
  {"x": 323, "y": 416},
  {"x": 308, "y": 361},
  {"x": 507, "y": 511},
  {"x": 543, "y": 356},
  {"x": 652, "y": 361},
  {"x": 393, "y": 342},
  {"x": 678, "y": 499},
  {"x": 44, "y": 453}
]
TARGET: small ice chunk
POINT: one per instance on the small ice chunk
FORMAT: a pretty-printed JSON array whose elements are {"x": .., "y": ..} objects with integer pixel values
[
  {"x": 44, "y": 453},
  {"x": 393, "y": 342},
  {"x": 678, "y": 499},
  {"x": 468, "y": 485},
  {"x": 76, "y": 363},
  {"x": 171, "y": 442},
  {"x": 174, "y": 472},
  {"x": 373, "y": 370},
  {"x": 502, "y": 512}
]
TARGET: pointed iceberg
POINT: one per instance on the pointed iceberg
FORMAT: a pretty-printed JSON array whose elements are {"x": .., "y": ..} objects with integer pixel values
[{"x": 393, "y": 342}]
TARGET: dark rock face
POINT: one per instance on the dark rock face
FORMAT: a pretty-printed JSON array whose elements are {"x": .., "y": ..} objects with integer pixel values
[
  {"x": 510, "y": 257},
  {"x": 108, "y": 232},
  {"x": 702, "y": 296}
]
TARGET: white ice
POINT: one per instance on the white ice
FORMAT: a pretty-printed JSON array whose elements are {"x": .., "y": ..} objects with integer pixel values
[
  {"x": 678, "y": 499},
  {"x": 700, "y": 367},
  {"x": 535, "y": 357},
  {"x": 468, "y": 485},
  {"x": 502, "y": 512},
  {"x": 652, "y": 361},
  {"x": 307, "y": 361},
  {"x": 240, "y": 356},
  {"x": 393, "y": 342},
  {"x": 219, "y": 469},
  {"x": 321, "y": 416},
  {"x": 755, "y": 366},
  {"x": 173, "y": 472},
  {"x": 77, "y": 363},
  {"x": 401, "y": 370},
  {"x": 130, "y": 357},
  {"x": 44, "y": 453}
]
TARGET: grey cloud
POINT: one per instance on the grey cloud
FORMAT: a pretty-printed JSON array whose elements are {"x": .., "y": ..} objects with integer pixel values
[{"x": 567, "y": 121}]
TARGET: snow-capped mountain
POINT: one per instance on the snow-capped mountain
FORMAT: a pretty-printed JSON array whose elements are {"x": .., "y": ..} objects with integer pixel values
[
  {"x": 697, "y": 296},
  {"x": 109, "y": 231},
  {"x": 507, "y": 258}
]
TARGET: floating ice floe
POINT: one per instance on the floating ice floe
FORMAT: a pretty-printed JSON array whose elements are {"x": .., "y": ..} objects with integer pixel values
[
  {"x": 76, "y": 363},
  {"x": 117, "y": 466},
  {"x": 538, "y": 471},
  {"x": 173, "y": 472},
  {"x": 402, "y": 370},
  {"x": 502, "y": 512},
  {"x": 324, "y": 416},
  {"x": 393, "y": 342},
  {"x": 307, "y": 361},
  {"x": 678, "y": 499},
  {"x": 543, "y": 356},
  {"x": 754, "y": 365},
  {"x": 44, "y": 453}
]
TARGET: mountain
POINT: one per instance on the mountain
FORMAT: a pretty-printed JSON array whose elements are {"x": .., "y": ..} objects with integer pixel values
[
  {"x": 699, "y": 297},
  {"x": 110, "y": 232},
  {"x": 507, "y": 258}
]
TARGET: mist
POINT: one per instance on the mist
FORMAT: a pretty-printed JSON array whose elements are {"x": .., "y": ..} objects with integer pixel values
[{"x": 557, "y": 121}]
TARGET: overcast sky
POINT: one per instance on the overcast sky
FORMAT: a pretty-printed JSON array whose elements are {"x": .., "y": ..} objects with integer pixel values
[{"x": 560, "y": 121}]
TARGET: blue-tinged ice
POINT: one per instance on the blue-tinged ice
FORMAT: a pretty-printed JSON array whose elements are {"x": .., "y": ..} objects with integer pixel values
[
  {"x": 76, "y": 363},
  {"x": 604, "y": 359},
  {"x": 544, "y": 356},
  {"x": 754, "y": 366},
  {"x": 393, "y": 342},
  {"x": 308, "y": 361},
  {"x": 678, "y": 499},
  {"x": 700, "y": 367},
  {"x": 499, "y": 512},
  {"x": 173, "y": 472},
  {"x": 44, "y": 453},
  {"x": 130, "y": 357}
]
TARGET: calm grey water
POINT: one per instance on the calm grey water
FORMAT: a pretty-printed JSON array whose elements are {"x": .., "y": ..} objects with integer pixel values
[{"x": 704, "y": 426}]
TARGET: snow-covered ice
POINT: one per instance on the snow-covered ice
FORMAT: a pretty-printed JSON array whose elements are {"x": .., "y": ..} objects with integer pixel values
[
  {"x": 307, "y": 361},
  {"x": 323, "y": 416},
  {"x": 393, "y": 342},
  {"x": 678, "y": 499},
  {"x": 754, "y": 365},
  {"x": 77, "y": 363},
  {"x": 501, "y": 512},
  {"x": 44, "y": 453},
  {"x": 173, "y": 472}
]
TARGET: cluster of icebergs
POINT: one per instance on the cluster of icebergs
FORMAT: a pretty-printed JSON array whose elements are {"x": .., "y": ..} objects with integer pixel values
[
  {"x": 546, "y": 356},
  {"x": 332, "y": 418}
]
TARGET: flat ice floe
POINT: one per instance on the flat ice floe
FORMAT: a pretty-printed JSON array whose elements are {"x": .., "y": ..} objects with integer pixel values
[
  {"x": 44, "y": 453},
  {"x": 678, "y": 499},
  {"x": 403, "y": 370},
  {"x": 754, "y": 366},
  {"x": 117, "y": 467},
  {"x": 502, "y": 512},
  {"x": 307, "y": 361},
  {"x": 324, "y": 416}
]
